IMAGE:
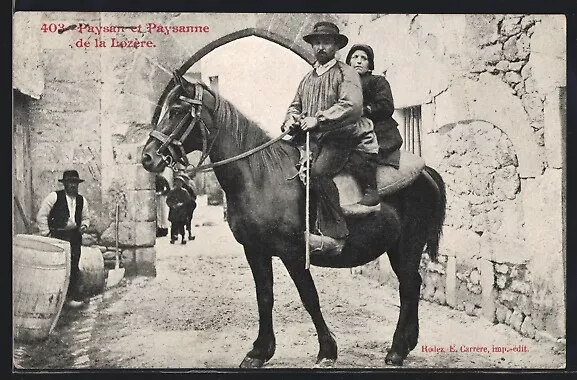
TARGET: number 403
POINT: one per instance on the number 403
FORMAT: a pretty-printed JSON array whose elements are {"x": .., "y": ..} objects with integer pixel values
[{"x": 52, "y": 27}]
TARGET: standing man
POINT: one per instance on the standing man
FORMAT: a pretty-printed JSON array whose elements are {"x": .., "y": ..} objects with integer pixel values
[
  {"x": 328, "y": 104},
  {"x": 179, "y": 201},
  {"x": 64, "y": 215}
]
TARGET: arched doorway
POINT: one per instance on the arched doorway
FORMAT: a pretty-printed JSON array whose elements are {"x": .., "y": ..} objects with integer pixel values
[{"x": 257, "y": 75}]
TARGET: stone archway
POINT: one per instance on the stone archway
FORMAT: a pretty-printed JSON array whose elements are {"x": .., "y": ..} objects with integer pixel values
[
  {"x": 491, "y": 100},
  {"x": 481, "y": 172},
  {"x": 147, "y": 73},
  {"x": 297, "y": 47},
  {"x": 149, "y": 78}
]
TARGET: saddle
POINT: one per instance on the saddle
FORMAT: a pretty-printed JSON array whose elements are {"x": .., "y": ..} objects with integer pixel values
[{"x": 389, "y": 181}]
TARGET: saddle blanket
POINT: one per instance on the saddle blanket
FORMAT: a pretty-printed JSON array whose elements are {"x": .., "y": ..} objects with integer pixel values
[{"x": 389, "y": 179}]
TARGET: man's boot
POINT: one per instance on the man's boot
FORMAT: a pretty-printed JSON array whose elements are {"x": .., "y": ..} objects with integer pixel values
[{"x": 367, "y": 178}]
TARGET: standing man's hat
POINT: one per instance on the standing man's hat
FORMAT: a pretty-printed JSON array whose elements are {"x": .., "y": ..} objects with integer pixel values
[
  {"x": 70, "y": 176},
  {"x": 325, "y": 28}
]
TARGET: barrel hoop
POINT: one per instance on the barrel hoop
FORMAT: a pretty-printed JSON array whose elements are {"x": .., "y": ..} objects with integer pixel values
[
  {"x": 41, "y": 267},
  {"x": 34, "y": 315},
  {"x": 38, "y": 293}
]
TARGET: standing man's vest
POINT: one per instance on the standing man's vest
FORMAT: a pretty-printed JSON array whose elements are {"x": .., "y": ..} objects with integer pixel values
[{"x": 59, "y": 214}]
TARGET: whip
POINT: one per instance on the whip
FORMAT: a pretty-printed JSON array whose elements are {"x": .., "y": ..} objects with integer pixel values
[{"x": 307, "y": 205}]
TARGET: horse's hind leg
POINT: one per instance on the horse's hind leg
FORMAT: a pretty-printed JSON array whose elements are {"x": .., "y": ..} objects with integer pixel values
[
  {"x": 405, "y": 264},
  {"x": 264, "y": 345},
  {"x": 307, "y": 290}
]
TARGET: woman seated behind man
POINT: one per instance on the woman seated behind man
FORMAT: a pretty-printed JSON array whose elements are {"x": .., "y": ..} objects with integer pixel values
[{"x": 378, "y": 106}]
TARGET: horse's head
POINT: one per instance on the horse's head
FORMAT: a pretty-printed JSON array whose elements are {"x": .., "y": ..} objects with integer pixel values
[{"x": 184, "y": 127}]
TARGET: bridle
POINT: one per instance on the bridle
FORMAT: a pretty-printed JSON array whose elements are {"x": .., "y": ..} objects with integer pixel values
[
  {"x": 174, "y": 144},
  {"x": 187, "y": 123}
]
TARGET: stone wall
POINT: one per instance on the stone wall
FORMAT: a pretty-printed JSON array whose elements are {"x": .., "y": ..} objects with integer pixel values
[
  {"x": 65, "y": 121},
  {"x": 80, "y": 122},
  {"x": 434, "y": 275},
  {"x": 491, "y": 91},
  {"x": 480, "y": 170},
  {"x": 21, "y": 165}
]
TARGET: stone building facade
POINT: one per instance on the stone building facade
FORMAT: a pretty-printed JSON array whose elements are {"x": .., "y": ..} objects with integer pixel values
[
  {"x": 491, "y": 94},
  {"x": 491, "y": 89}
]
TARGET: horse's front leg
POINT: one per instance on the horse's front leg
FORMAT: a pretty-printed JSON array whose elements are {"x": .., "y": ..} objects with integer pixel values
[
  {"x": 308, "y": 293},
  {"x": 264, "y": 345}
]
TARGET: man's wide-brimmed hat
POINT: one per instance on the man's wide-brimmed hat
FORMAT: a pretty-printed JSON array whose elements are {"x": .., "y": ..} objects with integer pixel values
[
  {"x": 326, "y": 28},
  {"x": 70, "y": 176}
]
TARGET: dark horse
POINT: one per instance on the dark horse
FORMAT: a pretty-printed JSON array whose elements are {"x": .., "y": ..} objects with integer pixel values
[{"x": 266, "y": 213}]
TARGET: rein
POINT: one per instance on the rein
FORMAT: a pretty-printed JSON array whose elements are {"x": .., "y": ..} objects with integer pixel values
[{"x": 240, "y": 156}]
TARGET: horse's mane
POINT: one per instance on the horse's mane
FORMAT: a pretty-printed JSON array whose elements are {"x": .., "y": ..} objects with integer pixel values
[{"x": 248, "y": 135}]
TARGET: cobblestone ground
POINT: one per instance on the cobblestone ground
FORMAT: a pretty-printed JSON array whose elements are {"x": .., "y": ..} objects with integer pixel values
[{"x": 200, "y": 312}]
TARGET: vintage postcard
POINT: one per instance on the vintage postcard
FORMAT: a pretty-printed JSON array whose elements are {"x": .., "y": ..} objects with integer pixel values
[{"x": 164, "y": 216}]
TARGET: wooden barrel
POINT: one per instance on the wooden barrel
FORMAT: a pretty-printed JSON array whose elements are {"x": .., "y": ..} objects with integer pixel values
[
  {"x": 41, "y": 272},
  {"x": 92, "y": 275},
  {"x": 66, "y": 246}
]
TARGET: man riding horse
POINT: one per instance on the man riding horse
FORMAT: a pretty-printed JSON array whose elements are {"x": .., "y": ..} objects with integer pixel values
[
  {"x": 265, "y": 208},
  {"x": 328, "y": 104}
]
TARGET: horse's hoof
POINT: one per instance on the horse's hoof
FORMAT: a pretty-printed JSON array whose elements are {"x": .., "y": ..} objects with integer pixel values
[
  {"x": 394, "y": 358},
  {"x": 251, "y": 363},
  {"x": 325, "y": 363}
]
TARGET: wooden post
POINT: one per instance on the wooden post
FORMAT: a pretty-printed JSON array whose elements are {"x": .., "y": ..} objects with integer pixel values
[
  {"x": 27, "y": 224},
  {"x": 418, "y": 131}
]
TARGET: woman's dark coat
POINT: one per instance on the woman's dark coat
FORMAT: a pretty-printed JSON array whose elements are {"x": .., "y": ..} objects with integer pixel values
[{"x": 378, "y": 106}]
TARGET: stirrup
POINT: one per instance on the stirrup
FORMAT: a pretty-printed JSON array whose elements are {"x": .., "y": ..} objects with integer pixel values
[
  {"x": 325, "y": 245},
  {"x": 357, "y": 209}
]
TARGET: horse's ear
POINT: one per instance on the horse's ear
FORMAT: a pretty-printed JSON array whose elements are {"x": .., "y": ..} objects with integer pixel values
[
  {"x": 186, "y": 86},
  {"x": 181, "y": 81},
  {"x": 177, "y": 78}
]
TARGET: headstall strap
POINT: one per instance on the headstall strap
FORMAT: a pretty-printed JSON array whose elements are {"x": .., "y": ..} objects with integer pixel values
[
  {"x": 198, "y": 93},
  {"x": 189, "y": 100},
  {"x": 171, "y": 143},
  {"x": 158, "y": 135},
  {"x": 194, "y": 111}
]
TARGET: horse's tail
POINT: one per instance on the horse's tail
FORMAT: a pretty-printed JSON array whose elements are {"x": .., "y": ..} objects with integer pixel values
[{"x": 438, "y": 217}]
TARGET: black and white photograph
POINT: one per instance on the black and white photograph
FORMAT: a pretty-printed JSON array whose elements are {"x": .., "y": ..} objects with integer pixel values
[{"x": 185, "y": 194}]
